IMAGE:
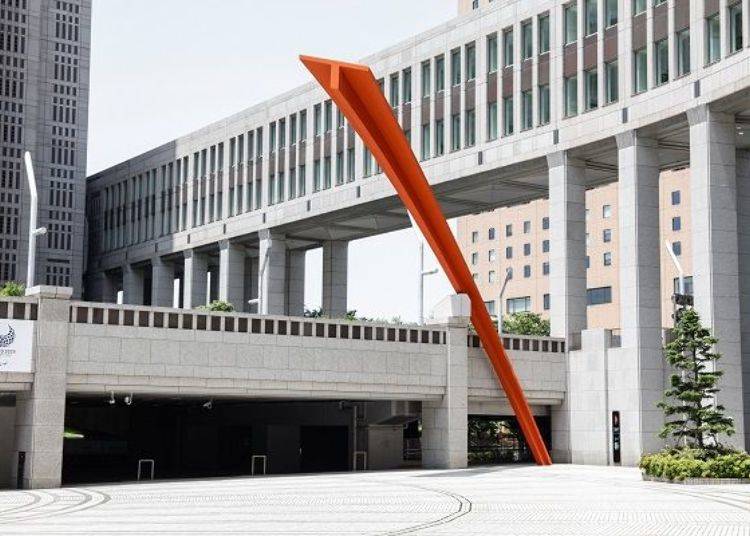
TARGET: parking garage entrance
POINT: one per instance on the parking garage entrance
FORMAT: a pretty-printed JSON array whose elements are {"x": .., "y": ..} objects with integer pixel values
[{"x": 105, "y": 437}]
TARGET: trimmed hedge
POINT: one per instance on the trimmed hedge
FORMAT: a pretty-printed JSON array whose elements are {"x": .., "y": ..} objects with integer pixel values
[{"x": 691, "y": 463}]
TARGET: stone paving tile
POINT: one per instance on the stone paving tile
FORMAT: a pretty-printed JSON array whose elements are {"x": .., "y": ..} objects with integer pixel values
[{"x": 517, "y": 500}]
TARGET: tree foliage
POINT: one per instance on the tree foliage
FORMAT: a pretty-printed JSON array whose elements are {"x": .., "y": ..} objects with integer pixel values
[
  {"x": 12, "y": 288},
  {"x": 692, "y": 419},
  {"x": 526, "y": 323},
  {"x": 218, "y": 306}
]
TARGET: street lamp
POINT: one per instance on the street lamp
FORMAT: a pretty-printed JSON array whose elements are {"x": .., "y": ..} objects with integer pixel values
[
  {"x": 680, "y": 273},
  {"x": 422, "y": 273},
  {"x": 34, "y": 231},
  {"x": 508, "y": 277},
  {"x": 258, "y": 301}
]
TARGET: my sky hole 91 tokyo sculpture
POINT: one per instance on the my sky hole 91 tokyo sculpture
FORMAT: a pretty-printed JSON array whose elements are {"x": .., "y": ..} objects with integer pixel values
[{"x": 355, "y": 91}]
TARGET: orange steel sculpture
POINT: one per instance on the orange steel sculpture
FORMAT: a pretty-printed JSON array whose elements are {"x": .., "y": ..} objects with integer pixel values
[{"x": 355, "y": 91}]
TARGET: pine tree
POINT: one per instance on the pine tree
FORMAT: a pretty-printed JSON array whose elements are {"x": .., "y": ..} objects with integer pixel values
[{"x": 693, "y": 421}]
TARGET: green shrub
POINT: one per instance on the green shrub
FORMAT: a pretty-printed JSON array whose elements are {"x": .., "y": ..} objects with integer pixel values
[
  {"x": 679, "y": 464},
  {"x": 218, "y": 306},
  {"x": 12, "y": 288}
]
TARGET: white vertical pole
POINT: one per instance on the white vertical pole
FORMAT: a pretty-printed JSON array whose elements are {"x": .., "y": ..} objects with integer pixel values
[{"x": 33, "y": 230}]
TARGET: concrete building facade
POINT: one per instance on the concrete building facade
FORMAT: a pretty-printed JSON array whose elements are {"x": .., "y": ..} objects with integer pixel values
[{"x": 44, "y": 59}]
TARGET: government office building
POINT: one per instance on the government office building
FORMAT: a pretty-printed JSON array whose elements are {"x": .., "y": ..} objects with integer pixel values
[{"x": 578, "y": 117}]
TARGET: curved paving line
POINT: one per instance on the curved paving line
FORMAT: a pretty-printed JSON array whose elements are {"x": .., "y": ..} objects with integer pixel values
[
  {"x": 37, "y": 497},
  {"x": 91, "y": 499}
]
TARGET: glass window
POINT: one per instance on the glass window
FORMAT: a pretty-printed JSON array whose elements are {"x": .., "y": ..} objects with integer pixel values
[
  {"x": 316, "y": 176},
  {"x": 607, "y": 235},
  {"x": 688, "y": 281},
  {"x": 598, "y": 296},
  {"x": 545, "y": 246},
  {"x": 492, "y": 121},
  {"x": 545, "y": 268},
  {"x": 640, "y": 74},
  {"x": 527, "y": 111},
  {"x": 508, "y": 116},
  {"x": 607, "y": 258},
  {"x": 518, "y": 305},
  {"x": 439, "y": 137},
  {"x": 661, "y": 62},
  {"x": 543, "y": 33},
  {"x": 592, "y": 89},
  {"x": 394, "y": 100},
  {"x": 456, "y": 67},
  {"x": 439, "y": 74},
  {"x": 526, "y": 227},
  {"x": 571, "y": 96},
  {"x": 455, "y": 132},
  {"x": 471, "y": 128},
  {"x": 491, "y": 278},
  {"x": 606, "y": 211},
  {"x": 526, "y": 249},
  {"x": 683, "y": 52},
  {"x": 676, "y": 197},
  {"x": 611, "y": 82},
  {"x": 527, "y": 41},
  {"x": 591, "y": 16},
  {"x": 610, "y": 13},
  {"x": 474, "y": 258},
  {"x": 570, "y": 23},
  {"x": 471, "y": 61},
  {"x": 327, "y": 172},
  {"x": 735, "y": 27},
  {"x": 492, "y": 255},
  {"x": 509, "y": 252},
  {"x": 544, "y": 104},
  {"x": 545, "y": 298},
  {"x": 491, "y": 233},
  {"x": 328, "y": 116},
  {"x": 406, "y": 83},
  {"x": 425, "y": 152},
  {"x": 639, "y": 6},
  {"x": 426, "y": 78},
  {"x": 527, "y": 271},
  {"x": 509, "y": 230},
  {"x": 676, "y": 223},
  {"x": 492, "y": 53},
  {"x": 507, "y": 48},
  {"x": 545, "y": 223},
  {"x": 677, "y": 248},
  {"x": 713, "y": 39}
]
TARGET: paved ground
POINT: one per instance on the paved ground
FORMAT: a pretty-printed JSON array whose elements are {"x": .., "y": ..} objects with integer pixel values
[{"x": 569, "y": 500}]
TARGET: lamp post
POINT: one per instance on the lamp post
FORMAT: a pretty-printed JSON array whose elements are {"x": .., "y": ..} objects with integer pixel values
[
  {"x": 34, "y": 231},
  {"x": 259, "y": 300},
  {"x": 508, "y": 277},
  {"x": 422, "y": 273},
  {"x": 680, "y": 273}
]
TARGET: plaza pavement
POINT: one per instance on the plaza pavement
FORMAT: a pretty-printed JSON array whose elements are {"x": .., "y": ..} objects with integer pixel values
[{"x": 509, "y": 500}]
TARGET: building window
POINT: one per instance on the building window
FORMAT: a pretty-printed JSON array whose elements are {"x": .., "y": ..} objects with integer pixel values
[
  {"x": 661, "y": 62},
  {"x": 491, "y": 276},
  {"x": 425, "y": 152},
  {"x": 592, "y": 89},
  {"x": 456, "y": 67},
  {"x": 527, "y": 111},
  {"x": 439, "y": 137},
  {"x": 611, "y": 82},
  {"x": 607, "y": 258},
  {"x": 640, "y": 71},
  {"x": 509, "y": 230},
  {"x": 490, "y": 307},
  {"x": 492, "y": 255},
  {"x": 526, "y": 227},
  {"x": 570, "y": 23},
  {"x": 591, "y": 16},
  {"x": 474, "y": 258},
  {"x": 639, "y": 6},
  {"x": 545, "y": 268},
  {"x": 471, "y": 128},
  {"x": 527, "y": 271},
  {"x": 426, "y": 78},
  {"x": 526, "y": 249},
  {"x": 598, "y": 296},
  {"x": 507, "y": 116},
  {"x": 509, "y": 252},
  {"x": 455, "y": 132},
  {"x": 676, "y": 223},
  {"x": 471, "y": 62},
  {"x": 406, "y": 85},
  {"x": 544, "y": 105},
  {"x": 474, "y": 237},
  {"x": 527, "y": 41},
  {"x": 491, "y": 233},
  {"x": 543, "y": 23},
  {"x": 677, "y": 248},
  {"x": 587, "y": 262},
  {"x": 394, "y": 91},
  {"x": 545, "y": 299},
  {"x": 606, "y": 211},
  {"x": 439, "y": 74},
  {"x": 518, "y": 305},
  {"x": 676, "y": 197},
  {"x": 474, "y": 4},
  {"x": 571, "y": 96},
  {"x": 492, "y": 121},
  {"x": 688, "y": 282},
  {"x": 735, "y": 27},
  {"x": 545, "y": 223},
  {"x": 610, "y": 13},
  {"x": 607, "y": 235},
  {"x": 683, "y": 52},
  {"x": 713, "y": 39},
  {"x": 492, "y": 53},
  {"x": 508, "y": 48},
  {"x": 545, "y": 246}
]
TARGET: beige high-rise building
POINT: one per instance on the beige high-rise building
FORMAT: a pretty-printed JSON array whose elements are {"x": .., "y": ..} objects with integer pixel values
[{"x": 517, "y": 238}]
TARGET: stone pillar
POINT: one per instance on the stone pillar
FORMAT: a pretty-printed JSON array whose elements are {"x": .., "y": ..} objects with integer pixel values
[
  {"x": 272, "y": 273},
  {"x": 296, "y": 282},
  {"x": 232, "y": 274},
  {"x": 194, "y": 275},
  {"x": 642, "y": 360},
  {"x": 100, "y": 288},
  {"x": 713, "y": 185},
  {"x": 162, "y": 283},
  {"x": 132, "y": 285},
  {"x": 213, "y": 286},
  {"x": 335, "y": 264},
  {"x": 40, "y": 412},
  {"x": 743, "y": 226},
  {"x": 251, "y": 286},
  {"x": 567, "y": 213},
  {"x": 445, "y": 422}
]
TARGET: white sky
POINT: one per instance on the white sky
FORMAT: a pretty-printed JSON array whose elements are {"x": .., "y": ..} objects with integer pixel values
[{"x": 163, "y": 68}]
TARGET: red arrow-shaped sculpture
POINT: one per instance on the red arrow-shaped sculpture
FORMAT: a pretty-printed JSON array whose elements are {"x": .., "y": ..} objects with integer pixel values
[{"x": 356, "y": 92}]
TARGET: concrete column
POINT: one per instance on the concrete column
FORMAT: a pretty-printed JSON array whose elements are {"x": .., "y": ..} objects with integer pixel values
[
  {"x": 132, "y": 285},
  {"x": 101, "y": 288},
  {"x": 335, "y": 265},
  {"x": 213, "y": 286},
  {"x": 715, "y": 239},
  {"x": 567, "y": 213},
  {"x": 743, "y": 242},
  {"x": 296, "y": 283},
  {"x": 162, "y": 283},
  {"x": 232, "y": 274},
  {"x": 251, "y": 283},
  {"x": 272, "y": 273},
  {"x": 194, "y": 284},
  {"x": 641, "y": 362},
  {"x": 445, "y": 421},
  {"x": 40, "y": 412}
]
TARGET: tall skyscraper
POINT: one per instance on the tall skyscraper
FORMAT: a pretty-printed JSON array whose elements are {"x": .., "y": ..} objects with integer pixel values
[{"x": 44, "y": 88}]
